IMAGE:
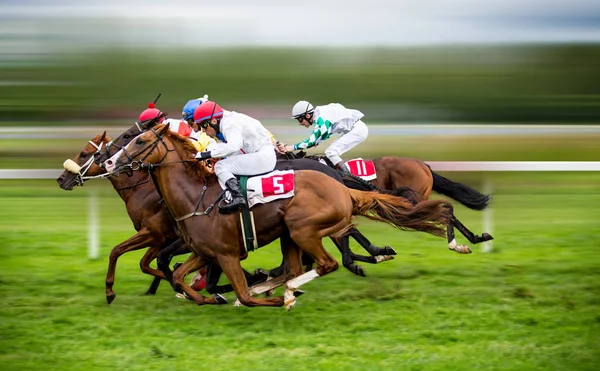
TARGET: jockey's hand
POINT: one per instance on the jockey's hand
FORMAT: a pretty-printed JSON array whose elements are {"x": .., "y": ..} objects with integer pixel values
[
  {"x": 203, "y": 155},
  {"x": 280, "y": 147},
  {"x": 288, "y": 148}
]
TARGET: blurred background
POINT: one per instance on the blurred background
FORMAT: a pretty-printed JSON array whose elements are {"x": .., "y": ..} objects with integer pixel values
[
  {"x": 98, "y": 63},
  {"x": 438, "y": 80}
]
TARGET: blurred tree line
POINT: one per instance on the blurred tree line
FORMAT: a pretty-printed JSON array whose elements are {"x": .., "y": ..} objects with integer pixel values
[{"x": 526, "y": 83}]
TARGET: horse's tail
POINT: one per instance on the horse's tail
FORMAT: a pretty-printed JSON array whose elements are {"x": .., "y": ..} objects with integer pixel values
[
  {"x": 464, "y": 194},
  {"x": 427, "y": 216}
]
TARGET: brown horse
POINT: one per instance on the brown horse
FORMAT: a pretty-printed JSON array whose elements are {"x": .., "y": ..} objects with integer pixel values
[
  {"x": 191, "y": 193},
  {"x": 152, "y": 221},
  {"x": 415, "y": 179},
  {"x": 154, "y": 225}
]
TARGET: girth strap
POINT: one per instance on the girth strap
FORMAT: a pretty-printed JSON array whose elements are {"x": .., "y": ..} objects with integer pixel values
[{"x": 247, "y": 219}]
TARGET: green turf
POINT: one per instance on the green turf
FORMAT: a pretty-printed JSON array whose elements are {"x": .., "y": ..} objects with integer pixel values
[{"x": 531, "y": 305}]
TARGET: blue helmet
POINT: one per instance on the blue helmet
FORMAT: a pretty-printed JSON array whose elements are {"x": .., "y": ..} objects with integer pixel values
[{"x": 188, "y": 110}]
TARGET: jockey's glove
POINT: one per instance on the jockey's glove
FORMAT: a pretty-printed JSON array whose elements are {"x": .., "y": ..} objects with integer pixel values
[{"x": 203, "y": 155}]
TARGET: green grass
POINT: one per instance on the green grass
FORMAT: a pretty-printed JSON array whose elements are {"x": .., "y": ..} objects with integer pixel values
[{"x": 531, "y": 305}]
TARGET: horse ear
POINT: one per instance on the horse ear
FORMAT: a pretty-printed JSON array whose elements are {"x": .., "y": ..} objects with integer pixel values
[{"x": 103, "y": 137}]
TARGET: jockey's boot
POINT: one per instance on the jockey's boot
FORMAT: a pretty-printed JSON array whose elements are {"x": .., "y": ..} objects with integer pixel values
[
  {"x": 341, "y": 166},
  {"x": 237, "y": 202}
]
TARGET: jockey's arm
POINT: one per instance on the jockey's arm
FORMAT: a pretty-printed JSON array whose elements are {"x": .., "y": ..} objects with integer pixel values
[
  {"x": 320, "y": 131},
  {"x": 234, "y": 143}
]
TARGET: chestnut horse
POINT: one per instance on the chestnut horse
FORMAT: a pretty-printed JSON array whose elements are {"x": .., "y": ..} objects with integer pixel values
[
  {"x": 301, "y": 222},
  {"x": 154, "y": 225}
]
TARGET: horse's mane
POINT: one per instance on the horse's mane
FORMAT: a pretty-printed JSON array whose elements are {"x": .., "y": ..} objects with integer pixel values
[{"x": 187, "y": 152}]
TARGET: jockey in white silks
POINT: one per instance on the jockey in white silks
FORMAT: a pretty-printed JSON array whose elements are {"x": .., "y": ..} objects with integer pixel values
[
  {"x": 330, "y": 119},
  {"x": 248, "y": 148}
]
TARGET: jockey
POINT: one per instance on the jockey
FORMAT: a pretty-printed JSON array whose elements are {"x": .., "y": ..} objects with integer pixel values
[
  {"x": 182, "y": 127},
  {"x": 248, "y": 148},
  {"x": 330, "y": 119}
]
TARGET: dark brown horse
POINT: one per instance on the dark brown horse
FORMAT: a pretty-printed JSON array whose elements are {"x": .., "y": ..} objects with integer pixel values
[{"x": 190, "y": 193}]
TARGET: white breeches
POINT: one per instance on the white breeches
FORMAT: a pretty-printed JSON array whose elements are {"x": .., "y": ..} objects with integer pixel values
[
  {"x": 255, "y": 163},
  {"x": 347, "y": 141}
]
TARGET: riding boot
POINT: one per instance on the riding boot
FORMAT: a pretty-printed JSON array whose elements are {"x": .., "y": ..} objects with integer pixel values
[
  {"x": 237, "y": 202},
  {"x": 341, "y": 166}
]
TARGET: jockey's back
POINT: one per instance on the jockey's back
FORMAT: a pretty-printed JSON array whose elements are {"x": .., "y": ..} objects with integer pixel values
[
  {"x": 243, "y": 132},
  {"x": 341, "y": 118}
]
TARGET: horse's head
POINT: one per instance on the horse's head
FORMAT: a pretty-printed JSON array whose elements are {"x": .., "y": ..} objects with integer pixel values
[
  {"x": 126, "y": 137},
  {"x": 82, "y": 166},
  {"x": 149, "y": 147}
]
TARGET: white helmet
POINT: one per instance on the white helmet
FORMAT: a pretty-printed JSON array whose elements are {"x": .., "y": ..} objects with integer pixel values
[{"x": 302, "y": 108}]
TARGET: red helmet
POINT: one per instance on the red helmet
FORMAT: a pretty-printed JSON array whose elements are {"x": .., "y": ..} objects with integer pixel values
[
  {"x": 207, "y": 111},
  {"x": 151, "y": 113}
]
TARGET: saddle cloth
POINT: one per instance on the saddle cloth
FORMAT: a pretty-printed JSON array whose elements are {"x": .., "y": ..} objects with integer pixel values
[
  {"x": 364, "y": 169},
  {"x": 268, "y": 187}
]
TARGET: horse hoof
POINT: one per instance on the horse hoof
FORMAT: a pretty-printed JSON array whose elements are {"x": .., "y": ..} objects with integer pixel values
[
  {"x": 219, "y": 299},
  {"x": 383, "y": 258},
  {"x": 237, "y": 303},
  {"x": 148, "y": 293},
  {"x": 359, "y": 271},
  {"x": 110, "y": 298},
  {"x": 486, "y": 237},
  {"x": 261, "y": 275},
  {"x": 298, "y": 293},
  {"x": 389, "y": 250}
]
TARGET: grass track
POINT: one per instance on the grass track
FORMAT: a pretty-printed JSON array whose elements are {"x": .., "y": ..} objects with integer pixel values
[{"x": 531, "y": 305}]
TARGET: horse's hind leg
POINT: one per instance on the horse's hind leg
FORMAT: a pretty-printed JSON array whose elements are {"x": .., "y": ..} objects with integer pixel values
[
  {"x": 311, "y": 244},
  {"x": 367, "y": 245},
  {"x": 473, "y": 238},
  {"x": 343, "y": 244},
  {"x": 452, "y": 244},
  {"x": 138, "y": 241}
]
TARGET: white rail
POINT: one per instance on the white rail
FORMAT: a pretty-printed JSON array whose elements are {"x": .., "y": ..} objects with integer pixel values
[
  {"x": 435, "y": 165},
  {"x": 483, "y": 166}
]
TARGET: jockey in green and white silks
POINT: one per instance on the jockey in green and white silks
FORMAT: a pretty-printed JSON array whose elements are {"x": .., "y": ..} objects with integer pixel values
[{"x": 331, "y": 119}]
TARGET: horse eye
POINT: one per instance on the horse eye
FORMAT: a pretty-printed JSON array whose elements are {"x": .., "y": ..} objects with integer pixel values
[
  {"x": 139, "y": 142},
  {"x": 126, "y": 136},
  {"x": 83, "y": 155}
]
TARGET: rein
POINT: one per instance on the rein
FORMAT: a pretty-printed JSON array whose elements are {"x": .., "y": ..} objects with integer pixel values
[{"x": 139, "y": 165}]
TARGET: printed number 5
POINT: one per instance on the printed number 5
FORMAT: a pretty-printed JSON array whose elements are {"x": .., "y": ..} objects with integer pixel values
[{"x": 278, "y": 187}]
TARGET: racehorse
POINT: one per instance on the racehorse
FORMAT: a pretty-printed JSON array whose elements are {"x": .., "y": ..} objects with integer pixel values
[
  {"x": 300, "y": 221},
  {"x": 154, "y": 225},
  {"x": 413, "y": 176}
]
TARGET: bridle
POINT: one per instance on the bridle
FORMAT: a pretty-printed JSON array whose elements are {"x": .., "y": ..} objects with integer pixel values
[{"x": 139, "y": 165}]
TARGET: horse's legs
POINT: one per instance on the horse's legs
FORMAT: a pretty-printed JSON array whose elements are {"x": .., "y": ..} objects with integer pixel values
[
  {"x": 234, "y": 272},
  {"x": 367, "y": 245},
  {"x": 150, "y": 255},
  {"x": 473, "y": 238},
  {"x": 139, "y": 240},
  {"x": 452, "y": 245},
  {"x": 164, "y": 259},
  {"x": 343, "y": 244},
  {"x": 311, "y": 244},
  {"x": 194, "y": 262}
]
